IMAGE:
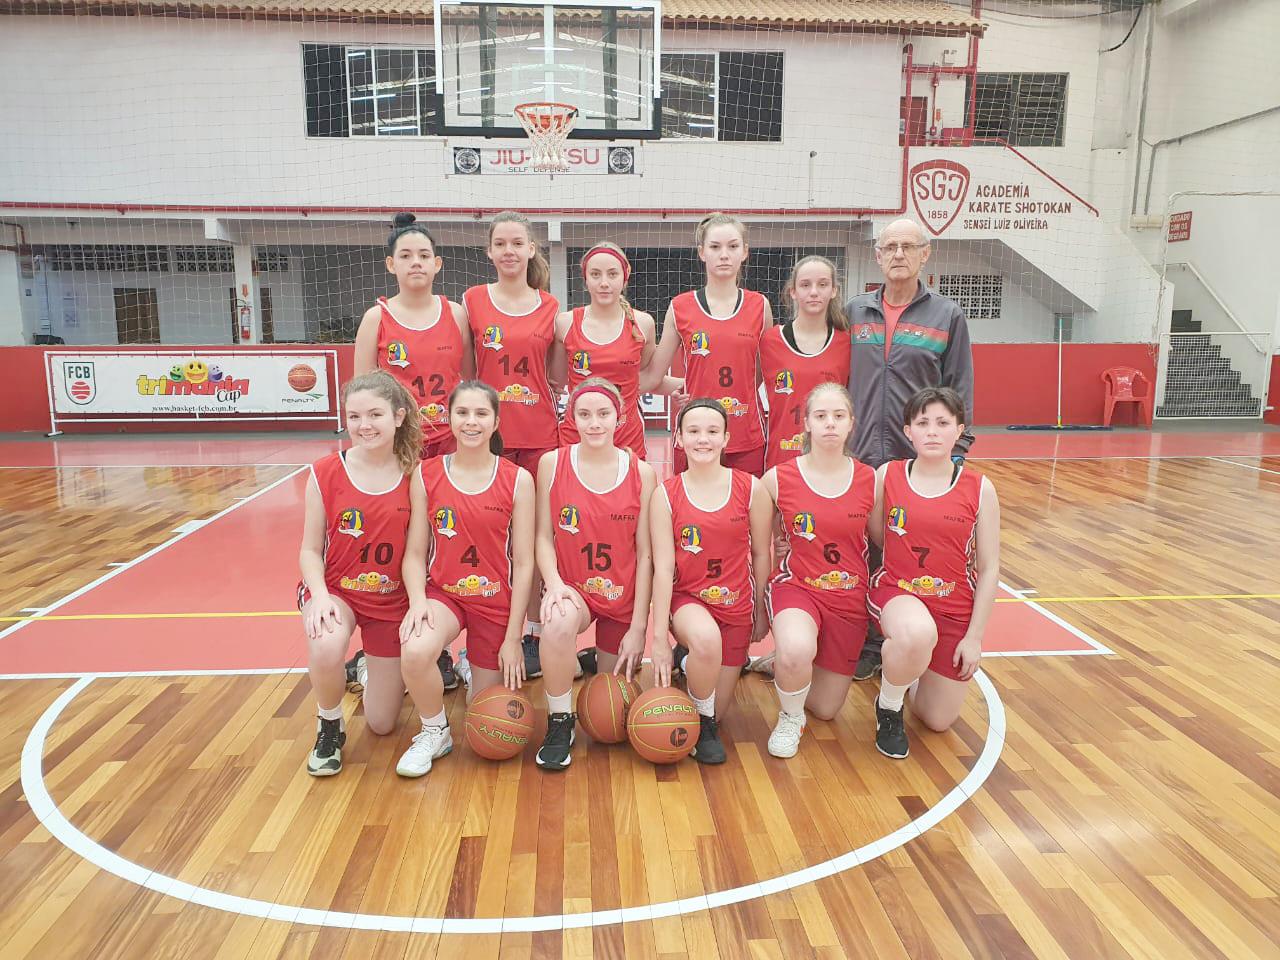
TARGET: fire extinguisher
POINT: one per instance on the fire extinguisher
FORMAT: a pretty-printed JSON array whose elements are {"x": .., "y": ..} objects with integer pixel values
[{"x": 246, "y": 321}]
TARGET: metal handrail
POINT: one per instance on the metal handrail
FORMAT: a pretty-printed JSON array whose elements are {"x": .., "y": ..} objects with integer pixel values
[{"x": 1219, "y": 301}]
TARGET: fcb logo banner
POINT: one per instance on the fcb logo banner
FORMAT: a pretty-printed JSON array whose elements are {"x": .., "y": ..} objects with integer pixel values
[{"x": 197, "y": 384}]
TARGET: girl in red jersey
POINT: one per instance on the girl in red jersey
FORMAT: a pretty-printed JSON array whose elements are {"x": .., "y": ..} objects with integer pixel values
[
  {"x": 593, "y": 549},
  {"x": 818, "y": 593},
  {"x": 480, "y": 509},
  {"x": 359, "y": 505},
  {"x": 795, "y": 357},
  {"x": 719, "y": 329},
  {"x": 710, "y": 529},
  {"x": 609, "y": 339},
  {"x": 424, "y": 341},
  {"x": 513, "y": 326},
  {"x": 418, "y": 336},
  {"x": 939, "y": 523}
]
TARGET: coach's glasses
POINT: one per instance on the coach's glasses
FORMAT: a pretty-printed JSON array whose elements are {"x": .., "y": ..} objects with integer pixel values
[{"x": 889, "y": 249}]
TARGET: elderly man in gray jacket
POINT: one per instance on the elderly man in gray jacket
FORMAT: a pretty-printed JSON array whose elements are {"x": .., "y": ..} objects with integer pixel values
[{"x": 905, "y": 338}]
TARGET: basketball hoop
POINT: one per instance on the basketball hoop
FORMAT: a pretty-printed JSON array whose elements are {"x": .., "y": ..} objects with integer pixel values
[{"x": 548, "y": 126}]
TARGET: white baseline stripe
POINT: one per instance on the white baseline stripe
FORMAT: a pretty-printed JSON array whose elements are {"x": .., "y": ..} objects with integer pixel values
[
  {"x": 1247, "y": 466},
  {"x": 56, "y": 823},
  {"x": 116, "y": 571}
]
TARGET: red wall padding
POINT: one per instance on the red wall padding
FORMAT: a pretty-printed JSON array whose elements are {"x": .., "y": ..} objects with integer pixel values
[{"x": 1016, "y": 383}]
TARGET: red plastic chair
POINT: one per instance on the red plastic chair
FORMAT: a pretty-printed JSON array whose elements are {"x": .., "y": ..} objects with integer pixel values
[{"x": 1120, "y": 383}]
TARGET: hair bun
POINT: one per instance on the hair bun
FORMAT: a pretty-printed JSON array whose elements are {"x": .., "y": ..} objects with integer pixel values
[{"x": 404, "y": 219}]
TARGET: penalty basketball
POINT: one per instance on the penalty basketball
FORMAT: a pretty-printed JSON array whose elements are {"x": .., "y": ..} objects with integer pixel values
[
  {"x": 663, "y": 725},
  {"x": 302, "y": 377},
  {"x": 499, "y": 722},
  {"x": 603, "y": 704}
]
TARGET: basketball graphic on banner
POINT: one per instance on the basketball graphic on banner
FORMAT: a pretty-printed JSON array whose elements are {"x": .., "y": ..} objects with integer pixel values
[{"x": 302, "y": 377}]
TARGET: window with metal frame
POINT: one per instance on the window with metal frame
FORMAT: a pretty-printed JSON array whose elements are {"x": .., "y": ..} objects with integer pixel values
[{"x": 1023, "y": 109}]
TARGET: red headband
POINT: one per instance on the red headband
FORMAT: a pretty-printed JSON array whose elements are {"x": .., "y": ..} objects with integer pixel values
[
  {"x": 616, "y": 254},
  {"x": 585, "y": 388}
]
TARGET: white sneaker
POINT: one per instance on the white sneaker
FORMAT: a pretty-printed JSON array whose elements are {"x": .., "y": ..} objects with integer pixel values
[
  {"x": 431, "y": 743},
  {"x": 785, "y": 740},
  {"x": 762, "y": 665},
  {"x": 462, "y": 667}
]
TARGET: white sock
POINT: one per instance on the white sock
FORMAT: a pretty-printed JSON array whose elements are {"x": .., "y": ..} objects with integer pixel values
[
  {"x": 891, "y": 694},
  {"x": 329, "y": 713},
  {"x": 439, "y": 720},
  {"x": 707, "y": 707},
  {"x": 560, "y": 703},
  {"x": 683, "y": 660},
  {"x": 793, "y": 703},
  {"x": 533, "y": 628}
]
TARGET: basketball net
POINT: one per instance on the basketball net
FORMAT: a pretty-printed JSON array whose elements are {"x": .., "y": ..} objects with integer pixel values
[{"x": 548, "y": 126}]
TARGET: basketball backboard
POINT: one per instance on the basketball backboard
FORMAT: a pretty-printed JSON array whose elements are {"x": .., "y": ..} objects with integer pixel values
[{"x": 601, "y": 56}]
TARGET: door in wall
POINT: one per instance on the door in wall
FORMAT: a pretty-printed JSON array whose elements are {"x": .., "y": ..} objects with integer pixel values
[{"x": 137, "y": 315}]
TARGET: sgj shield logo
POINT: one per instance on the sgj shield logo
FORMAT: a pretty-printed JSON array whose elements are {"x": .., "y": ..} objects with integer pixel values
[{"x": 938, "y": 188}]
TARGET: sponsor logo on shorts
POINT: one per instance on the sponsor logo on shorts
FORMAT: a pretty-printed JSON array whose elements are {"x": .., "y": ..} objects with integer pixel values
[
  {"x": 370, "y": 582},
  {"x": 833, "y": 580},
  {"x": 717, "y": 596},
  {"x": 473, "y": 586}
]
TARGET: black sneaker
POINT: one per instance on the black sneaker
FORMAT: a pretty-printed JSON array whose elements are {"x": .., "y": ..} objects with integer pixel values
[
  {"x": 891, "y": 732},
  {"x": 532, "y": 662},
  {"x": 356, "y": 673},
  {"x": 709, "y": 749},
  {"x": 678, "y": 654},
  {"x": 554, "y": 754},
  {"x": 868, "y": 663},
  {"x": 326, "y": 755},
  {"x": 586, "y": 661},
  {"x": 445, "y": 663}
]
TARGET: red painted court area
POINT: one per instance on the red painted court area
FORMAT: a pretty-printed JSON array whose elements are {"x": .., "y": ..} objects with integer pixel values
[{"x": 219, "y": 597}]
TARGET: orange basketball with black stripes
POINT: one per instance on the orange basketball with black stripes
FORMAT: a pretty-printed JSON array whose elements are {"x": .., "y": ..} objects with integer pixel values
[
  {"x": 499, "y": 722},
  {"x": 663, "y": 725},
  {"x": 603, "y": 704}
]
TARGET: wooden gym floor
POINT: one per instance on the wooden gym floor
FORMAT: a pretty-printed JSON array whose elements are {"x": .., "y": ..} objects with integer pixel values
[{"x": 1112, "y": 790}]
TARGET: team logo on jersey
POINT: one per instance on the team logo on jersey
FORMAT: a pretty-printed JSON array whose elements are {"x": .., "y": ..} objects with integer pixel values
[
  {"x": 602, "y": 587},
  {"x": 370, "y": 582},
  {"x": 719, "y": 596},
  {"x": 473, "y": 586},
  {"x": 351, "y": 522},
  {"x": 569, "y": 519},
  {"x": 833, "y": 580},
  {"x": 492, "y": 339},
  {"x": 517, "y": 393},
  {"x": 928, "y": 586},
  {"x": 690, "y": 538},
  {"x": 863, "y": 334},
  {"x": 397, "y": 354},
  {"x": 581, "y": 363},
  {"x": 898, "y": 520},
  {"x": 446, "y": 522},
  {"x": 795, "y": 443},
  {"x": 802, "y": 525},
  {"x": 700, "y": 344},
  {"x": 434, "y": 413},
  {"x": 733, "y": 406},
  {"x": 784, "y": 382}
]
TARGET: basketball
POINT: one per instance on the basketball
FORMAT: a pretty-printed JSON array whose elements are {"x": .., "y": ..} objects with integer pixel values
[
  {"x": 663, "y": 725},
  {"x": 603, "y": 704},
  {"x": 499, "y": 722},
  {"x": 301, "y": 377}
]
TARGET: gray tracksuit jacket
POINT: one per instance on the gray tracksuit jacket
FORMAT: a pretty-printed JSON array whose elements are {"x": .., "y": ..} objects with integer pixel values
[{"x": 930, "y": 349}]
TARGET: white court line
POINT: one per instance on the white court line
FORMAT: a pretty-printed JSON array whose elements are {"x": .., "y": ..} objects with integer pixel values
[
  {"x": 65, "y": 832},
  {"x": 117, "y": 570},
  {"x": 1099, "y": 652},
  {"x": 126, "y": 674},
  {"x": 1247, "y": 466},
  {"x": 1053, "y": 618}
]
